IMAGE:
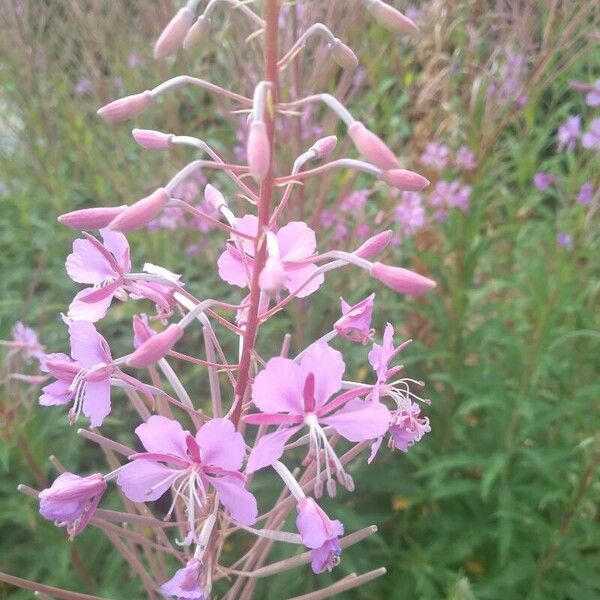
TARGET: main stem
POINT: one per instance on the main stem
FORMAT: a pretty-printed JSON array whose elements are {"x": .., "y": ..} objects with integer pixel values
[{"x": 264, "y": 212}]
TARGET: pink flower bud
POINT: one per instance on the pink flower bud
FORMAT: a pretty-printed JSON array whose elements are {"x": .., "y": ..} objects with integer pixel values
[
  {"x": 343, "y": 55},
  {"x": 141, "y": 330},
  {"x": 324, "y": 146},
  {"x": 141, "y": 212},
  {"x": 390, "y": 18},
  {"x": 258, "y": 152},
  {"x": 214, "y": 197},
  {"x": 374, "y": 245},
  {"x": 91, "y": 218},
  {"x": 402, "y": 280},
  {"x": 155, "y": 347},
  {"x": 196, "y": 33},
  {"x": 126, "y": 108},
  {"x": 172, "y": 36},
  {"x": 272, "y": 278},
  {"x": 405, "y": 180},
  {"x": 372, "y": 147},
  {"x": 153, "y": 140},
  {"x": 355, "y": 322}
]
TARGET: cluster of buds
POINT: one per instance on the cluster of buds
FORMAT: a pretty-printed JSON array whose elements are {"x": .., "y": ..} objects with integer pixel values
[{"x": 264, "y": 410}]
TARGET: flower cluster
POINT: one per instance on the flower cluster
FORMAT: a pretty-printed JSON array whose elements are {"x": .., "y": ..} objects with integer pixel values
[{"x": 301, "y": 417}]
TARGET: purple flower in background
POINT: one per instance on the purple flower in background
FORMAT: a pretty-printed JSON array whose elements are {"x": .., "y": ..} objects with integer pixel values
[
  {"x": 591, "y": 138},
  {"x": 25, "y": 341},
  {"x": 592, "y": 98},
  {"x": 363, "y": 231},
  {"x": 82, "y": 86},
  {"x": 509, "y": 86},
  {"x": 355, "y": 201},
  {"x": 328, "y": 218},
  {"x": 568, "y": 133},
  {"x": 435, "y": 155},
  {"x": 564, "y": 239},
  {"x": 465, "y": 159},
  {"x": 586, "y": 193},
  {"x": 543, "y": 180},
  {"x": 410, "y": 213},
  {"x": 134, "y": 60},
  {"x": 449, "y": 194}
]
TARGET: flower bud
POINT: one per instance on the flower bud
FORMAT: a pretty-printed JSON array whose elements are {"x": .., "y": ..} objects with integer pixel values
[
  {"x": 258, "y": 151},
  {"x": 172, "y": 36},
  {"x": 324, "y": 146},
  {"x": 374, "y": 245},
  {"x": 372, "y": 147},
  {"x": 405, "y": 180},
  {"x": 91, "y": 218},
  {"x": 390, "y": 18},
  {"x": 194, "y": 36},
  {"x": 214, "y": 197},
  {"x": 126, "y": 108},
  {"x": 402, "y": 280},
  {"x": 153, "y": 140},
  {"x": 141, "y": 330},
  {"x": 141, "y": 212},
  {"x": 155, "y": 347},
  {"x": 272, "y": 278},
  {"x": 343, "y": 55}
]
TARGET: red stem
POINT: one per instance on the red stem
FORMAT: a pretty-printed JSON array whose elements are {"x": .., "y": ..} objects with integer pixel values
[{"x": 264, "y": 213}]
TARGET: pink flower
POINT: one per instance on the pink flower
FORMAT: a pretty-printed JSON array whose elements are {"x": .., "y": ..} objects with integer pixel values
[
  {"x": 297, "y": 245},
  {"x": 409, "y": 213},
  {"x": 25, "y": 342},
  {"x": 320, "y": 534},
  {"x": 450, "y": 194},
  {"x": 591, "y": 138},
  {"x": 294, "y": 395},
  {"x": 84, "y": 378},
  {"x": 71, "y": 501},
  {"x": 105, "y": 266},
  {"x": 465, "y": 159},
  {"x": 190, "y": 466},
  {"x": 542, "y": 180},
  {"x": 435, "y": 155},
  {"x": 355, "y": 322},
  {"x": 586, "y": 193},
  {"x": 185, "y": 584},
  {"x": 568, "y": 133}
]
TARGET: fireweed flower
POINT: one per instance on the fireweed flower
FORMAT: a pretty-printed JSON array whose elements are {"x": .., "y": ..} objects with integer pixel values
[
  {"x": 564, "y": 239},
  {"x": 25, "y": 342},
  {"x": 297, "y": 395},
  {"x": 190, "y": 466},
  {"x": 591, "y": 138},
  {"x": 586, "y": 193},
  {"x": 185, "y": 583},
  {"x": 435, "y": 156},
  {"x": 409, "y": 213},
  {"x": 542, "y": 180},
  {"x": 320, "y": 534},
  {"x": 71, "y": 501},
  {"x": 355, "y": 322},
  {"x": 84, "y": 378},
  {"x": 568, "y": 133},
  {"x": 296, "y": 243},
  {"x": 465, "y": 159}
]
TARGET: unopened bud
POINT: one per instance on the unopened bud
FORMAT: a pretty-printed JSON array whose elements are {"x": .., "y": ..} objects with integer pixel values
[
  {"x": 155, "y": 347},
  {"x": 390, "y": 18},
  {"x": 153, "y": 140},
  {"x": 405, "y": 180},
  {"x": 194, "y": 36},
  {"x": 141, "y": 212},
  {"x": 172, "y": 36},
  {"x": 343, "y": 55},
  {"x": 126, "y": 108},
  {"x": 91, "y": 218},
  {"x": 372, "y": 147},
  {"x": 374, "y": 245},
  {"x": 214, "y": 197},
  {"x": 324, "y": 146},
  {"x": 402, "y": 280},
  {"x": 258, "y": 151}
]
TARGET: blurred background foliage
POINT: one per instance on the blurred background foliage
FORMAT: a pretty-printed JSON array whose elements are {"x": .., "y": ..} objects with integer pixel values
[{"x": 501, "y": 499}]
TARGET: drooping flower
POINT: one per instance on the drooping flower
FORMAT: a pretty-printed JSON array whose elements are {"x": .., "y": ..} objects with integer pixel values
[
  {"x": 591, "y": 138},
  {"x": 568, "y": 133},
  {"x": 185, "y": 584},
  {"x": 320, "y": 534},
  {"x": 84, "y": 377},
  {"x": 355, "y": 322},
  {"x": 294, "y": 395},
  {"x": 190, "y": 465},
  {"x": 296, "y": 246},
  {"x": 71, "y": 500},
  {"x": 543, "y": 180}
]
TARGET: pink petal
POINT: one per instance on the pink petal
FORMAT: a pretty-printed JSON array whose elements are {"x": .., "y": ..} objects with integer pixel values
[
  {"x": 116, "y": 243},
  {"x": 96, "y": 404},
  {"x": 269, "y": 448},
  {"x": 139, "y": 477},
  {"x": 87, "y": 265},
  {"x": 163, "y": 435},
  {"x": 360, "y": 420},
  {"x": 279, "y": 386},
  {"x": 236, "y": 498},
  {"x": 221, "y": 445},
  {"x": 296, "y": 241},
  {"x": 88, "y": 347},
  {"x": 82, "y": 310},
  {"x": 296, "y": 276},
  {"x": 232, "y": 270},
  {"x": 56, "y": 393},
  {"x": 327, "y": 365},
  {"x": 248, "y": 224}
]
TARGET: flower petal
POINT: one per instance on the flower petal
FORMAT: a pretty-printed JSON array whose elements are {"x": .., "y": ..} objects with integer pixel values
[
  {"x": 296, "y": 276},
  {"x": 232, "y": 269},
  {"x": 296, "y": 241},
  {"x": 279, "y": 387},
  {"x": 327, "y": 365},
  {"x": 236, "y": 498},
  {"x": 269, "y": 448},
  {"x": 360, "y": 420},
  {"x": 163, "y": 436},
  {"x": 116, "y": 243},
  {"x": 145, "y": 480},
  {"x": 56, "y": 393},
  {"x": 88, "y": 347},
  {"x": 221, "y": 445},
  {"x": 87, "y": 264},
  {"x": 81, "y": 309},
  {"x": 96, "y": 403}
]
